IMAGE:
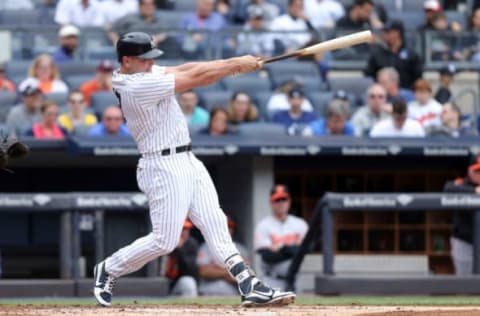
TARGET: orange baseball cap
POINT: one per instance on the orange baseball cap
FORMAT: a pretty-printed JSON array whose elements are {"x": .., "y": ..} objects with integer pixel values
[{"x": 279, "y": 191}]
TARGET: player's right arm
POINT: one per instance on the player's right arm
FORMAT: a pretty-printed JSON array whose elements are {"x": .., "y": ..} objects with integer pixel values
[{"x": 192, "y": 75}]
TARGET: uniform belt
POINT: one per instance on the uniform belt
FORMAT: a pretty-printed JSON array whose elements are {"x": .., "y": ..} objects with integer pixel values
[{"x": 177, "y": 150}]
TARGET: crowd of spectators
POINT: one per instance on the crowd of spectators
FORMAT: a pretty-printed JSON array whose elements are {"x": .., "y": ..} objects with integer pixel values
[{"x": 395, "y": 68}]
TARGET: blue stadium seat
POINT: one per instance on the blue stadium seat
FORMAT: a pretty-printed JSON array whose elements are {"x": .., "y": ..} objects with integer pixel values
[
  {"x": 4, "y": 110},
  {"x": 18, "y": 68},
  {"x": 7, "y": 98},
  {"x": 261, "y": 100},
  {"x": 354, "y": 85},
  {"x": 75, "y": 81},
  {"x": 77, "y": 68},
  {"x": 299, "y": 68},
  {"x": 20, "y": 17},
  {"x": 211, "y": 99},
  {"x": 185, "y": 5},
  {"x": 102, "y": 52},
  {"x": 101, "y": 100},
  {"x": 409, "y": 5},
  {"x": 308, "y": 83},
  {"x": 390, "y": 5},
  {"x": 217, "y": 86},
  {"x": 457, "y": 17},
  {"x": 320, "y": 101},
  {"x": 257, "y": 129},
  {"x": 249, "y": 84},
  {"x": 169, "y": 62},
  {"x": 170, "y": 19},
  {"x": 81, "y": 130},
  {"x": 412, "y": 20},
  {"x": 59, "y": 97}
]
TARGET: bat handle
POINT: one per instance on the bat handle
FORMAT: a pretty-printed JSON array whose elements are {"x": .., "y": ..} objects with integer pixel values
[{"x": 281, "y": 57}]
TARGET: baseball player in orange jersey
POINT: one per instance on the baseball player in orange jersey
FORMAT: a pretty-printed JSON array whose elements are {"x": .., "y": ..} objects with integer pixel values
[{"x": 175, "y": 182}]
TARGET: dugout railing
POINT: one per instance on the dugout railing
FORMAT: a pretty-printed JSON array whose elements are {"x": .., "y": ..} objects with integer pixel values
[{"x": 328, "y": 282}]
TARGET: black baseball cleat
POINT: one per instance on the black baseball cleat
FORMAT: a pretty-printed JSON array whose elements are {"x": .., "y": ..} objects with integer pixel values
[
  {"x": 104, "y": 284},
  {"x": 263, "y": 295}
]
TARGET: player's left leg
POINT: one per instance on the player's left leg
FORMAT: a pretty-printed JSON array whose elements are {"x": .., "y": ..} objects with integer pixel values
[{"x": 206, "y": 214}]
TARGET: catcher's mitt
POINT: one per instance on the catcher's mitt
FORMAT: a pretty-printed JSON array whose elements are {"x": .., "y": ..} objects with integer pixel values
[{"x": 11, "y": 150}]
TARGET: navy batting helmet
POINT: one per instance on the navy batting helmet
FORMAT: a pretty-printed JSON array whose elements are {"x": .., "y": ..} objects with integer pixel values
[{"x": 137, "y": 44}]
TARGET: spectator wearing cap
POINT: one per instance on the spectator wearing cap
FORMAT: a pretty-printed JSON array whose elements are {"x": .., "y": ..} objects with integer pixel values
[
  {"x": 358, "y": 17},
  {"x": 447, "y": 76},
  {"x": 113, "y": 10},
  {"x": 101, "y": 82},
  {"x": 395, "y": 54},
  {"x": 430, "y": 7},
  {"x": 279, "y": 99},
  {"x": 371, "y": 113},
  {"x": 68, "y": 37},
  {"x": 425, "y": 109},
  {"x": 145, "y": 20},
  {"x": 76, "y": 115},
  {"x": 389, "y": 79},
  {"x": 5, "y": 84},
  {"x": 213, "y": 278},
  {"x": 84, "y": 13},
  {"x": 461, "y": 241},
  {"x": 199, "y": 21},
  {"x": 47, "y": 127},
  {"x": 278, "y": 236},
  {"x": 44, "y": 73},
  {"x": 336, "y": 122},
  {"x": 295, "y": 118},
  {"x": 323, "y": 13},
  {"x": 451, "y": 122},
  {"x": 399, "y": 124},
  {"x": 195, "y": 115},
  {"x": 254, "y": 39},
  {"x": 292, "y": 29},
  {"x": 26, "y": 113},
  {"x": 180, "y": 268},
  {"x": 240, "y": 109},
  {"x": 111, "y": 125}
]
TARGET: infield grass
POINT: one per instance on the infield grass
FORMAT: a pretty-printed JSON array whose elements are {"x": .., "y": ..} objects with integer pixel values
[{"x": 301, "y": 300}]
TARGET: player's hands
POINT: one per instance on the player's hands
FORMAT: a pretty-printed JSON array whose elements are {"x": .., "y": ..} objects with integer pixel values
[{"x": 248, "y": 63}]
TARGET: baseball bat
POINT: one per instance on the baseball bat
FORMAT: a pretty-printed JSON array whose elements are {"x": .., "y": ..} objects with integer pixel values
[{"x": 333, "y": 44}]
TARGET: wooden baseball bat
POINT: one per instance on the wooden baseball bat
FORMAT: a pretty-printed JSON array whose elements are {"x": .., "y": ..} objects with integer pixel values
[{"x": 333, "y": 44}]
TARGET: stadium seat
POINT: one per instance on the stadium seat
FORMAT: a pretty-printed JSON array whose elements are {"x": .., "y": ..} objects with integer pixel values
[
  {"x": 354, "y": 85},
  {"x": 194, "y": 129},
  {"x": 81, "y": 130},
  {"x": 217, "y": 86},
  {"x": 170, "y": 19},
  {"x": 412, "y": 20},
  {"x": 7, "y": 98},
  {"x": 169, "y": 62},
  {"x": 257, "y": 129},
  {"x": 320, "y": 101},
  {"x": 211, "y": 99},
  {"x": 308, "y": 83},
  {"x": 299, "y": 68},
  {"x": 4, "y": 110},
  {"x": 249, "y": 84},
  {"x": 19, "y": 17},
  {"x": 77, "y": 68},
  {"x": 18, "y": 68},
  {"x": 101, "y": 100},
  {"x": 389, "y": 5},
  {"x": 185, "y": 5},
  {"x": 75, "y": 81},
  {"x": 102, "y": 52},
  {"x": 59, "y": 97},
  {"x": 457, "y": 17},
  {"x": 261, "y": 100},
  {"x": 409, "y": 5}
]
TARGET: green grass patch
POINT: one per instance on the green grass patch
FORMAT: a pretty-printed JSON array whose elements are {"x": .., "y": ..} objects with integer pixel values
[{"x": 301, "y": 300}]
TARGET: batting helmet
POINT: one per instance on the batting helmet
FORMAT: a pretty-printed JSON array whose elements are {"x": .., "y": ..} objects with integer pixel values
[{"x": 137, "y": 44}]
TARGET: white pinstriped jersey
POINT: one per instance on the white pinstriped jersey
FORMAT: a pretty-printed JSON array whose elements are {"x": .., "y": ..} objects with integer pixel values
[{"x": 153, "y": 115}]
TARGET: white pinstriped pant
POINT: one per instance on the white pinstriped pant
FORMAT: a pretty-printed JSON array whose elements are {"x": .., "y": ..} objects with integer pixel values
[{"x": 176, "y": 186}]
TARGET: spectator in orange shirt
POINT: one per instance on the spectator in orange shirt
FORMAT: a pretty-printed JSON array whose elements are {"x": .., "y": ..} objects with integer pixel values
[
  {"x": 5, "y": 84},
  {"x": 46, "y": 74},
  {"x": 101, "y": 82}
]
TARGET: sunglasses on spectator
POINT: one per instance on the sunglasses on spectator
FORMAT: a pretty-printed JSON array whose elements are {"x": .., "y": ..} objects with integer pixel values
[
  {"x": 113, "y": 118},
  {"x": 376, "y": 96}
]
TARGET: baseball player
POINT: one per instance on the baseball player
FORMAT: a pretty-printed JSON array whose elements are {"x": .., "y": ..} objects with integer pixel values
[
  {"x": 278, "y": 236},
  {"x": 175, "y": 182}
]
